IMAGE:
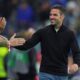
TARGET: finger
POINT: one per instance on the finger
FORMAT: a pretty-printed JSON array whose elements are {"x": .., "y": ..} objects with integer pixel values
[
  {"x": 20, "y": 40},
  {"x": 3, "y": 37},
  {"x": 17, "y": 41},
  {"x": 20, "y": 44},
  {"x": 17, "y": 44},
  {"x": 72, "y": 71},
  {"x": 13, "y": 36}
]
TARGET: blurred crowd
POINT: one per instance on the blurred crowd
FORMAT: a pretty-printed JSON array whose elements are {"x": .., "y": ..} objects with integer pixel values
[
  {"x": 23, "y": 14},
  {"x": 30, "y": 15}
]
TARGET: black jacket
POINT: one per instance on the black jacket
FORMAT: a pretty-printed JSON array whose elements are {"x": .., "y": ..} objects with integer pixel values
[{"x": 55, "y": 47}]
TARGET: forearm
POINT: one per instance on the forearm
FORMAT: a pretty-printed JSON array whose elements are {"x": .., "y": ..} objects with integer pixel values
[
  {"x": 30, "y": 43},
  {"x": 27, "y": 45},
  {"x": 22, "y": 44}
]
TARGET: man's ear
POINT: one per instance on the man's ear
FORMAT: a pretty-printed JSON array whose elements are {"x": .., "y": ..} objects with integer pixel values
[{"x": 63, "y": 16}]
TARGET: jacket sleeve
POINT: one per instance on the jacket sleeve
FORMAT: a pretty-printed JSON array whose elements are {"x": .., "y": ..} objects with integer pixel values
[
  {"x": 31, "y": 42},
  {"x": 75, "y": 49}
]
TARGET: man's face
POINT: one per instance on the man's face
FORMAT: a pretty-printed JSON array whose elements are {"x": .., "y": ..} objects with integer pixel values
[{"x": 56, "y": 17}]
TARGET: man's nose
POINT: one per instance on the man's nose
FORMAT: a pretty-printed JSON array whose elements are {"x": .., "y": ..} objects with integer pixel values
[{"x": 52, "y": 17}]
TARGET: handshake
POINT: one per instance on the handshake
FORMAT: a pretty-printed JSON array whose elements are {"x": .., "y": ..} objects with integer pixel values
[{"x": 12, "y": 42}]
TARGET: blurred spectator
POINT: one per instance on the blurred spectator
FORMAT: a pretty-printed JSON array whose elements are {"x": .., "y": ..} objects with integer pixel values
[
  {"x": 7, "y": 6},
  {"x": 60, "y": 2},
  {"x": 22, "y": 65},
  {"x": 3, "y": 61},
  {"x": 24, "y": 17},
  {"x": 43, "y": 11},
  {"x": 3, "y": 58},
  {"x": 72, "y": 15},
  {"x": 10, "y": 26},
  {"x": 20, "y": 19}
]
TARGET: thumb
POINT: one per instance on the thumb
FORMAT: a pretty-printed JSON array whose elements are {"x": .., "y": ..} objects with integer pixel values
[
  {"x": 3, "y": 37},
  {"x": 13, "y": 36}
]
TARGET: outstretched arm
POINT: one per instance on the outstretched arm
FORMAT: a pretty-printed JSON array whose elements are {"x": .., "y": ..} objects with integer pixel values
[{"x": 24, "y": 45}]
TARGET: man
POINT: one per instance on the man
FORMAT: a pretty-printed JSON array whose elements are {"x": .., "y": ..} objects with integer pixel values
[
  {"x": 4, "y": 39},
  {"x": 56, "y": 42},
  {"x": 4, "y": 49}
]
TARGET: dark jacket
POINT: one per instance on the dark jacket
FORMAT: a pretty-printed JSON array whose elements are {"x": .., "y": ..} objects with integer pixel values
[{"x": 55, "y": 47}]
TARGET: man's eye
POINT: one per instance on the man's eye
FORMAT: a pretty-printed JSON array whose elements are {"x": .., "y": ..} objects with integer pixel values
[{"x": 53, "y": 15}]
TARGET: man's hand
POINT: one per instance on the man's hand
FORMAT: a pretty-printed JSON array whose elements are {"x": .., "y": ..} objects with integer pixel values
[
  {"x": 72, "y": 68},
  {"x": 16, "y": 41}
]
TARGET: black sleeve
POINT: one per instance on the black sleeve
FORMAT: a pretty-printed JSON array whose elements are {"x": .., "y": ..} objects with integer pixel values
[
  {"x": 75, "y": 49},
  {"x": 31, "y": 42}
]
